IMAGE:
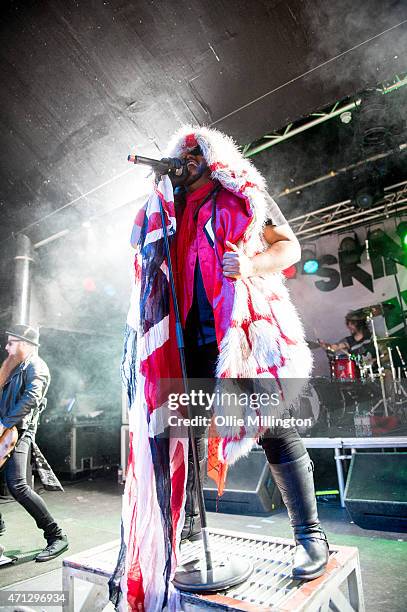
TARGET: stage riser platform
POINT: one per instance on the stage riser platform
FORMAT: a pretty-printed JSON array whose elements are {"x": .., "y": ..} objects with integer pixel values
[{"x": 270, "y": 588}]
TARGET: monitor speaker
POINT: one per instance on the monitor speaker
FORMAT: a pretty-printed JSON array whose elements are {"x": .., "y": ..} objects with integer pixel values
[
  {"x": 376, "y": 491},
  {"x": 249, "y": 489}
]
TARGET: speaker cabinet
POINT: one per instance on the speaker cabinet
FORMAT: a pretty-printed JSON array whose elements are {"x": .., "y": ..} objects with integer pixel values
[
  {"x": 250, "y": 488},
  {"x": 376, "y": 491},
  {"x": 76, "y": 447}
]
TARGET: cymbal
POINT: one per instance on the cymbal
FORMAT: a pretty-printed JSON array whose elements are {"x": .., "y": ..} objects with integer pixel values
[
  {"x": 371, "y": 311},
  {"x": 387, "y": 339}
]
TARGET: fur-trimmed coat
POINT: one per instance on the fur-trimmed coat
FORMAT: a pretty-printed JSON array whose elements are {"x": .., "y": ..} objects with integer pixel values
[{"x": 264, "y": 337}]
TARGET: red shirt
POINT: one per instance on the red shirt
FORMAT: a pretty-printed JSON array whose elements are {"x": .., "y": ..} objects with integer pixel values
[
  {"x": 194, "y": 239},
  {"x": 190, "y": 243}
]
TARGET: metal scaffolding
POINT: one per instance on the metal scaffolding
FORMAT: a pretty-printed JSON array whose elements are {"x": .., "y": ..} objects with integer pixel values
[
  {"x": 270, "y": 140},
  {"x": 344, "y": 215}
]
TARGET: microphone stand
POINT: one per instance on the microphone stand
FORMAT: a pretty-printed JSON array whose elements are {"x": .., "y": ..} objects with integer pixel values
[
  {"x": 207, "y": 576},
  {"x": 380, "y": 369}
]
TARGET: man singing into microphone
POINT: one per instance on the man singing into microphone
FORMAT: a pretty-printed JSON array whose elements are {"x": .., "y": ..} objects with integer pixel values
[
  {"x": 229, "y": 245},
  {"x": 24, "y": 380}
]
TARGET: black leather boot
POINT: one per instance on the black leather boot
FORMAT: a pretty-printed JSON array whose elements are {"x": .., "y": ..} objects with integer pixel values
[
  {"x": 192, "y": 529},
  {"x": 296, "y": 484}
]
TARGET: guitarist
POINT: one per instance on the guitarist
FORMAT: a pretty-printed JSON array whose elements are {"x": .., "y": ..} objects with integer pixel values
[{"x": 24, "y": 381}]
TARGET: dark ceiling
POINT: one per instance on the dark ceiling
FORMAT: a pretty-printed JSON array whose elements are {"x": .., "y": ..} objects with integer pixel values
[{"x": 84, "y": 82}]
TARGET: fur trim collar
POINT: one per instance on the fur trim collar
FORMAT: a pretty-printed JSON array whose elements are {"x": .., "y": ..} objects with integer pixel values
[{"x": 232, "y": 170}]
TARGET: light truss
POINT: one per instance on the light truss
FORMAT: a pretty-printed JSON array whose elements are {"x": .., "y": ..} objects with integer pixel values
[
  {"x": 343, "y": 170},
  {"x": 344, "y": 215},
  {"x": 270, "y": 140}
]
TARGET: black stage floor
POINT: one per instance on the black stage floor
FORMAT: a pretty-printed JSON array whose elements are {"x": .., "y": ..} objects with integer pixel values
[{"x": 89, "y": 511}]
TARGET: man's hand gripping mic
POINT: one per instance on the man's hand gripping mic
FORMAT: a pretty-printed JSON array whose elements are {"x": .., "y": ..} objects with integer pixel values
[{"x": 173, "y": 166}]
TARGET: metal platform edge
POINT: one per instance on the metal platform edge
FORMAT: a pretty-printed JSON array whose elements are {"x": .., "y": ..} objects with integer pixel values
[{"x": 310, "y": 595}]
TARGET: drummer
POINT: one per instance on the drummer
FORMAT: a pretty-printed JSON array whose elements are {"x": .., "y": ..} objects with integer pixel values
[{"x": 359, "y": 344}]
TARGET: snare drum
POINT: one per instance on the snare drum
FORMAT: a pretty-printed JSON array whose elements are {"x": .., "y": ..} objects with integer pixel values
[{"x": 344, "y": 369}]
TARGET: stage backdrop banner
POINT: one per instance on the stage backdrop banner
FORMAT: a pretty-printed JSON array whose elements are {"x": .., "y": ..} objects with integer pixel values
[{"x": 350, "y": 277}]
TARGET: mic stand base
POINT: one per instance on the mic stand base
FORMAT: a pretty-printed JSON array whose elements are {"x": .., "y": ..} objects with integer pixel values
[{"x": 226, "y": 572}]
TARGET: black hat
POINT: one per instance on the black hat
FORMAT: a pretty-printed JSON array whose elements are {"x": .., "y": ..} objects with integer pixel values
[{"x": 25, "y": 332}]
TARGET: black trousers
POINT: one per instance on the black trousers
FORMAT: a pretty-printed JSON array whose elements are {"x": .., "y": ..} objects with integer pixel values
[
  {"x": 281, "y": 445},
  {"x": 16, "y": 477}
]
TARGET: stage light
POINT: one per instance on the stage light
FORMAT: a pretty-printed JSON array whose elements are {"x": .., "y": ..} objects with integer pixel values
[
  {"x": 367, "y": 189},
  {"x": 380, "y": 244},
  {"x": 290, "y": 272},
  {"x": 374, "y": 122},
  {"x": 346, "y": 117},
  {"x": 109, "y": 290},
  {"x": 89, "y": 284},
  {"x": 350, "y": 250},
  {"x": 377, "y": 239},
  {"x": 364, "y": 199},
  {"x": 309, "y": 261},
  {"x": 402, "y": 233},
  {"x": 311, "y": 266}
]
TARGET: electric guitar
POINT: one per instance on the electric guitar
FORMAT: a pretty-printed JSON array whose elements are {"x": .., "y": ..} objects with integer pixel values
[{"x": 8, "y": 440}]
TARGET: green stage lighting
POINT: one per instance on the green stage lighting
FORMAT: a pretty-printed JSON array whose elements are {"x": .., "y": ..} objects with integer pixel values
[{"x": 402, "y": 233}]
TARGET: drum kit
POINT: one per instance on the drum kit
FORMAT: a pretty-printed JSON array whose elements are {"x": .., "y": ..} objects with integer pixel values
[{"x": 354, "y": 371}]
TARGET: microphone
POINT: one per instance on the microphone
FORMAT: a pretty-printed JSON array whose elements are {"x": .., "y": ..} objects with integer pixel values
[
  {"x": 161, "y": 166},
  {"x": 367, "y": 249}
]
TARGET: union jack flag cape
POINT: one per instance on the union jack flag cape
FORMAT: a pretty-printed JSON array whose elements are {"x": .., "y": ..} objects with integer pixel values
[
  {"x": 263, "y": 337},
  {"x": 154, "y": 496}
]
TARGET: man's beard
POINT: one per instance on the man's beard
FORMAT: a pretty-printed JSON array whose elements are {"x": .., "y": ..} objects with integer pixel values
[
  {"x": 192, "y": 178},
  {"x": 8, "y": 366}
]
